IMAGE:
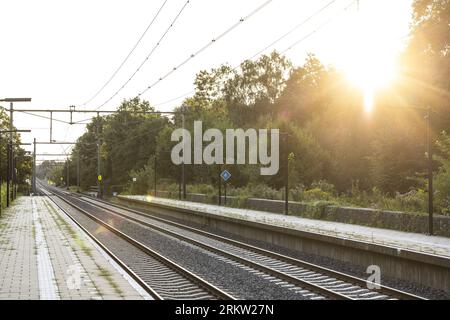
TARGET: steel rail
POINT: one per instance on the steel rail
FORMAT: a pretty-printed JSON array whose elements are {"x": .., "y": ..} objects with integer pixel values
[
  {"x": 257, "y": 266},
  {"x": 169, "y": 263},
  {"x": 127, "y": 269},
  {"x": 392, "y": 292}
]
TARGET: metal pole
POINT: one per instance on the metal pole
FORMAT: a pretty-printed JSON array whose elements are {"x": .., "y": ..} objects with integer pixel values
[
  {"x": 51, "y": 125},
  {"x": 286, "y": 176},
  {"x": 8, "y": 171},
  {"x": 33, "y": 180},
  {"x": 220, "y": 190},
  {"x": 99, "y": 183},
  {"x": 225, "y": 193},
  {"x": 68, "y": 174},
  {"x": 183, "y": 177},
  {"x": 155, "y": 174},
  {"x": 430, "y": 173},
  {"x": 179, "y": 189},
  {"x": 11, "y": 150},
  {"x": 8, "y": 154},
  {"x": 78, "y": 171},
  {"x": 1, "y": 180},
  {"x": 14, "y": 178}
]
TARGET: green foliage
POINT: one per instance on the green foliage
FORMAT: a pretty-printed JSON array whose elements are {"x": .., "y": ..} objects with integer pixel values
[
  {"x": 257, "y": 191},
  {"x": 426, "y": 60},
  {"x": 394, "y": 160},
  {"x": 442, "y": 177},
  {"x": 336, "y": 152},
  {"x": 23, "y": 161},
  {"x": 144, "y": 179},
  {"x": 3, "y": 195}
]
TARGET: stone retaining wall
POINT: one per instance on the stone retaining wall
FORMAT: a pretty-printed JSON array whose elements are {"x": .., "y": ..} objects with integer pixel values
[{"x": 395, "y": 220}]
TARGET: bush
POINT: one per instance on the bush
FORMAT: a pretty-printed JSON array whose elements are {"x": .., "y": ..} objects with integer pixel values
[
  {"x": 324, "y": 186},
  {"x": 203, "y": 189},
  {"x": 3, "y": 195},
  {"x": 442, "y": 178},
  {"x": 319, "y": 195}
]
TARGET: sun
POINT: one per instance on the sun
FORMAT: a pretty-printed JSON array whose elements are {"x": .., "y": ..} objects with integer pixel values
[
  {"x": 367, "y": 56},
  {"x": 370, "y": 72}
]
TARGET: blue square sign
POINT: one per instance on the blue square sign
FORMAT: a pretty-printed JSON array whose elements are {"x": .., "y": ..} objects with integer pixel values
[{"x": 225, "y": 175}]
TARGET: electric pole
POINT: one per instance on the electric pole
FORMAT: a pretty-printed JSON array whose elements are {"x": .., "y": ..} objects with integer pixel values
[
  {"x": 183, "y": 173},
  {"x": 9, "y": 148},
  {"x": 430, "y": 172},
  {"x": 1, "y": 180},
  {"x": 68, "y": 173},
  {"x": 33, "y": 179},
  {"x": 71, "y": 122},
  {"x": 155, "y": 172},
  {"x": 8, "y": 171},
  {"x": 220, "y": 186},
  {"x": 14, "y": 178},
  {"x": 286, "y": 175},
  {"x": 78, "y": 171},
  {"x": 99, "y": 175},
  {"x": 10, "y": 189}
]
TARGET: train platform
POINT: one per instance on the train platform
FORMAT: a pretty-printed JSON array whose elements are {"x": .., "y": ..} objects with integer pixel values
[
  {"x": 435, "y": 245},
  {"x": 45, "y": 256}
]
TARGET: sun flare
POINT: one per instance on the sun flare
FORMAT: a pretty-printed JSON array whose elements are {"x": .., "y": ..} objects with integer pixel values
[
  {"x": 367, "y": 56},
  {"x": 369, "y": 74}
]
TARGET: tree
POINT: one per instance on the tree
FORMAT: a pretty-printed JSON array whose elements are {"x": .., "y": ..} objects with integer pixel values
[
  {"x": 426, "y": 60},
  {"x": 442, "y": 177},
  {"x": 23, "y": 161}
]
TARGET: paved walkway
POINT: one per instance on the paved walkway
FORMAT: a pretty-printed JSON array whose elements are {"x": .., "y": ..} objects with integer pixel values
[
  {"x": 44, "y": 255},
  {"x": 406, "y": 240}
]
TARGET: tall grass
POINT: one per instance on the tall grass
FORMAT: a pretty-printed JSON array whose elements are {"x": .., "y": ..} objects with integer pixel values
[
  {"x": 319, "y": 192},
  {"x": 3, "y": 195}
]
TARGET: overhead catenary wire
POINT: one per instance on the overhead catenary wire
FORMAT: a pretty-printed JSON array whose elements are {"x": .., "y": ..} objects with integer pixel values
[
  {"x": 174, "y": 99},
  {"x": 148, "y": 56},
  {"x": 259, "y": 52},
  {"x": 303, "y": 22},
  {"x": 193, "y": 55},
  {"x": 206, "y": 46},
  {"x": 153, "y": 112},
  {"x": 128, "y": 55},
  {"x": 317, "y": 29},
  {"x": 41, "y": 116},
  {"x": 266, "y": 47},
  {"x": 290, "y": 31}
]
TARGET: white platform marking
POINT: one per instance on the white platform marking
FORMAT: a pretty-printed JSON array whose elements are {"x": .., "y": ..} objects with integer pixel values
[
  {"x": 144, "y": 294},
  {"x": 48, "y": 289}
]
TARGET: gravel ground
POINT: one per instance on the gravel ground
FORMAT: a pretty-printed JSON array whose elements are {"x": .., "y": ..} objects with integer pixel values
[
  {"x": 348, "y": 268},
  {"x": 224, "y": 273}
]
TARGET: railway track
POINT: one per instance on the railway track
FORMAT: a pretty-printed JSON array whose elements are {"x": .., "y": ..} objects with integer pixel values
[
  {"x": 292, "y": 274},
  {"x": 160, "y": 277}
]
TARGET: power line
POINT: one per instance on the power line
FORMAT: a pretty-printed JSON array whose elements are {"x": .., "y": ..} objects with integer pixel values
[
  {"x": 286, "y": 89},
  {"x": 129, "y": 54},
  {"x": 241, "y": 20},
  {"x": 173, "y": 99},
  {"x": 293, "y": 29},
  {"x": 44, "y": 117},
  {"x": 303, "y": 22},
  {"x": 304, "y": 37},
  {"x": 49, "y": 118},
  {"x": 206, "y": 46},
  {"x": 148, "y": 56},
  {"x": 150, "y": 112},
  {"x": 317, "y": 29}
]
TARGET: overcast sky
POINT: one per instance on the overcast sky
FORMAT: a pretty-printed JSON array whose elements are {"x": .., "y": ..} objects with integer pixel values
[{"x": 61, "y": 52}]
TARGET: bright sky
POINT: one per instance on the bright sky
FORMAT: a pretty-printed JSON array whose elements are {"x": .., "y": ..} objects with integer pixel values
[{"x": 60, "y": 53}]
